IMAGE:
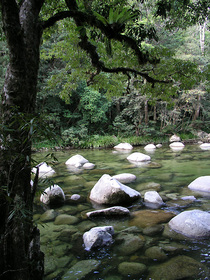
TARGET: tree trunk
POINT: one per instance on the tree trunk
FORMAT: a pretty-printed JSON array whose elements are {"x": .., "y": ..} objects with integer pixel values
[
  {"x": 21, "y": 258},
  {"x": 202, "y": 37},
  {"x": 197, "y": 109},
  {"x": 146, "y": 115}
]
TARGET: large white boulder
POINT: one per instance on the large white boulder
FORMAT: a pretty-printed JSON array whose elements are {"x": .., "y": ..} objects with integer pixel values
[
  {"x": 98, "y": 237},
  {"x": 153, "y": 197},
  {"x": 125, "y": 178},
  {"x": 89, "y": 165},
  {"x": 150, "y": 147},
  {"x": 110, "y": 191},
  {"x": 77, "y": 159},
  {"x": 53, "y": 195},
  {"x": 44, "y": 170},
  {"x": 138, "y": 157},
  {"x": 193, "y": 223},
  {"x": 176, "y": 144},
  {"x": 123, "y": 146},
  {"x": 205, "y": 146},
  {"x": 200, "y": 184}
]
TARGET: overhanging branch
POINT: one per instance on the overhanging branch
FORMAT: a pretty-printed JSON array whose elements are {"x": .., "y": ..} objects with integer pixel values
[{"x": 81, "y": 19}]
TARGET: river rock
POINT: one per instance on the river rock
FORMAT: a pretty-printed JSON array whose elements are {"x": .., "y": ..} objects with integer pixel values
[
  {"x": 88, "y": 165},
  {"x": 74, "y": 199},
  {"x": 176, "y": 145},
  {"x": 145, "y": 218},
  {"x": 180, "y": 267},
  {"x": 200, "y": 184},
  {"x": 77, "y": 161},
  {"x": 128, "y": 243},
  {"x": 125, "y": 178},
  {"x": 110, "y": 191},
  {"x": 86, "y": 225},
  {"x": 81, "y": 269},
  {"x": 175, "y": 138},
  {"x": 48, "y": 216},
  {"x": 148, "y": 186},
  {"x": 110, "y": 212},
  {"x": 179, "y": 203},
  {"x": 132, "y": 269},
  {"x": 193, "y": 223},
  {"x": 53, "y": 195},
  {"x": 44, "y": 170},
  {"x": 153, "y": 197},
  {"x": 205, "y": 146},
  {"x": 123, "y": 146},
  {"x": 98, "y": 237},
  {"x": 67, "y": 233},
  {"x": 138, "y": 157},
  {"x": 159, "y": 145},
  {"x": 153, "y": 230},
  {"x": 150, "y": 147},
  {"x": 65, "y": 219},
  {"x": 156, "y": 253}
]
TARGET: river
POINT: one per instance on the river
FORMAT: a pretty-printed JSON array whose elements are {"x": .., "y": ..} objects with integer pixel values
[{"x": 170, "y": 172}]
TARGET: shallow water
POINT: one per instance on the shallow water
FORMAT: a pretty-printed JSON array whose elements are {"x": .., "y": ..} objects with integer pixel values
[{"x": 172, "y": 170}]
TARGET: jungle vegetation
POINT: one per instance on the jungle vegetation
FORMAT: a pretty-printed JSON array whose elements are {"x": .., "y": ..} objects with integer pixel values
[{"x": 76, "y": 70}]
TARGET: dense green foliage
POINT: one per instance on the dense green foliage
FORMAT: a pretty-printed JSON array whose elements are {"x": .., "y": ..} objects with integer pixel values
[{"x": 79, "y": 102}]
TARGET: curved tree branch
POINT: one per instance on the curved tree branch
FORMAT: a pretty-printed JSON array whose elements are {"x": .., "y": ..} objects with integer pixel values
[{"x": 81, "y": 19}]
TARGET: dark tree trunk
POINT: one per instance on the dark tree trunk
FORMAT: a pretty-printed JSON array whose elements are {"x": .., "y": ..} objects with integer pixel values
[{"x": 21, "y": 258}]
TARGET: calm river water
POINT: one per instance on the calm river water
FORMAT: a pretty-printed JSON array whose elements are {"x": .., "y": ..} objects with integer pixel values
[{"x": 169, "y": 173}]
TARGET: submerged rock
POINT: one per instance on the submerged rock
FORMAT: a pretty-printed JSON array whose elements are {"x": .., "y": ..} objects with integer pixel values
[
  {"x": 180, "y": 267},
  {"x": 156, "y": 253},
  {"x": 65, "y": 219},
  {"x": 145, "y": 218},
  {"x": 48, "y": 216},
  {"x": 110, "y": 191},
  {"x": 132, "y": 269},
  {"x": 81, "y": 269},
  {"x": 153, "y": 230},
  {"x": 128, "y": 243},
  {"x": 125, "y": 178}
]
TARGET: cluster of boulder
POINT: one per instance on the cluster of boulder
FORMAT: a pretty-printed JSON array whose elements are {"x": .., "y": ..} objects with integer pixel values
[{"x": 112, "y": 194}]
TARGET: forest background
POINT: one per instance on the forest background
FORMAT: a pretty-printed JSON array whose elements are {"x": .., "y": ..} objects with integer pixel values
[
  {"x": 109, "y": 70},
  {"x": 83, "y": 108}
]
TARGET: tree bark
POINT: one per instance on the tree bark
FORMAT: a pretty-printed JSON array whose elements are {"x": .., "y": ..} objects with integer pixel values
[
  {"x": 202, "y": 37},
  {"x": 197, "y": 109},
  {"x": 146, "y": 116},
  {"x": 21, "y": 258}
]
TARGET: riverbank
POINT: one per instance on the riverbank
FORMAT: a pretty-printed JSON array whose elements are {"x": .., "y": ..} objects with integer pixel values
[{"x": 109, "y": 141}]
